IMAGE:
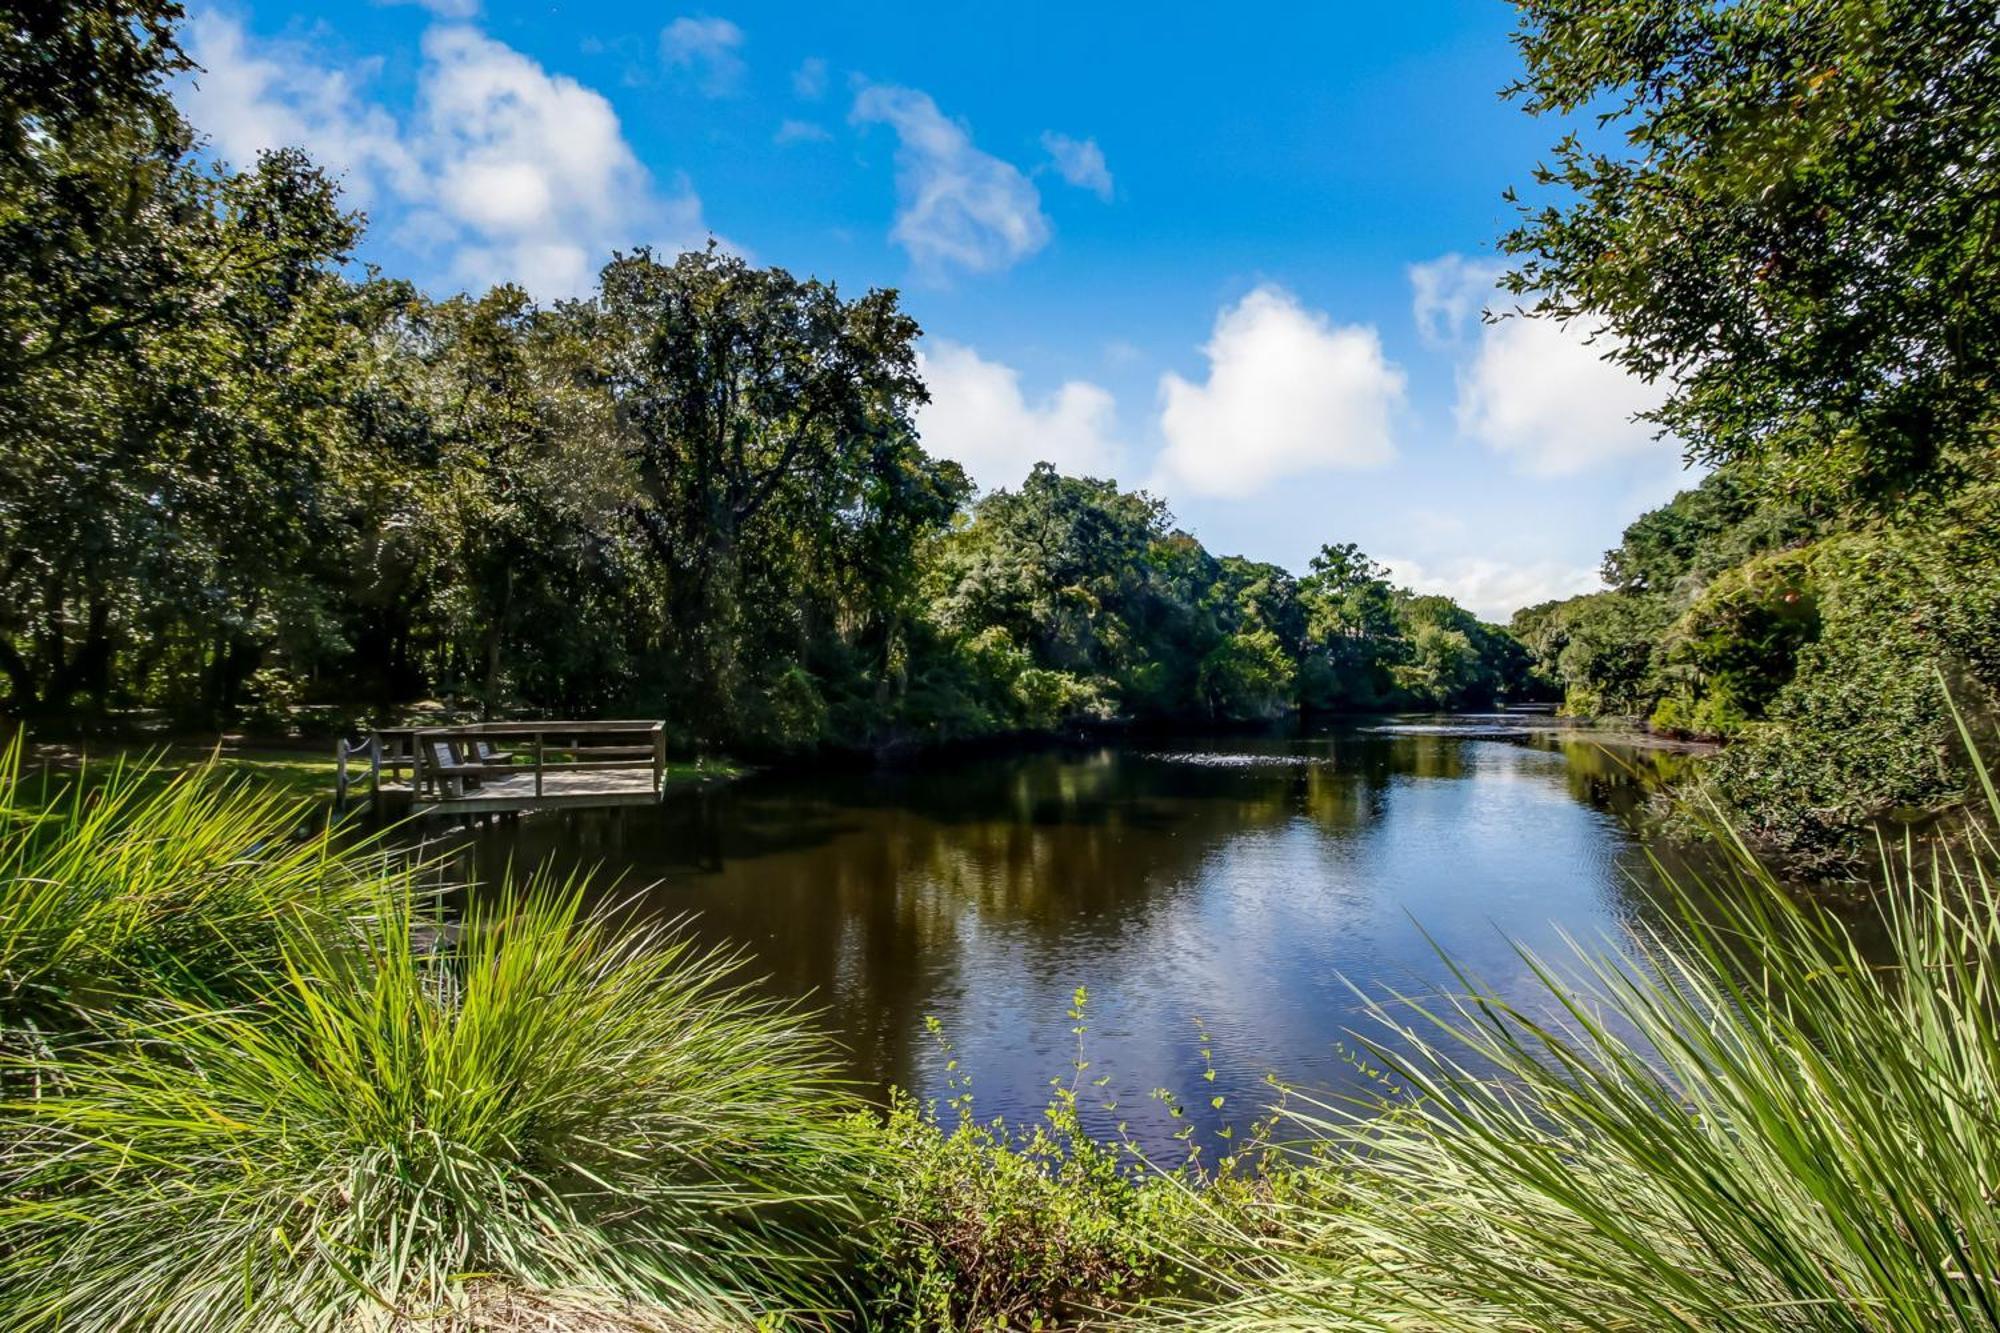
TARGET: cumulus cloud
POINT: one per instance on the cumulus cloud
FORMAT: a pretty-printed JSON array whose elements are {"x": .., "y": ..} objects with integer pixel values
[
  {"x": 1542, "y": 394},
  {"x": 1449, "y": 293},
  {"x": 1494, "y": 590},
  {"x": 1080, "y": 162},
  {"x": 707, "y": 48},
  {"x": 1288, "y": 392},
  {"x": 533, "y": 166},
  {"x": 253, "y": 97},
  {"x": 1534, "y": 390},
  {"x": 979, "y": 416},
  {"x": 503, "y": 171},
  {"x": 809, "y": 79},
  {"x": 957, "y": 207}
]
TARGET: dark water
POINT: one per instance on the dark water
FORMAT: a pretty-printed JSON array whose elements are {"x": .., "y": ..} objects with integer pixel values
[{"x": 1249, "y": 883}]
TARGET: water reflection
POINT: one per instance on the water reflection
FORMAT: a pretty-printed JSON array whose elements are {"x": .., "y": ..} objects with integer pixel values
[{"x": 1250, "y": 881}]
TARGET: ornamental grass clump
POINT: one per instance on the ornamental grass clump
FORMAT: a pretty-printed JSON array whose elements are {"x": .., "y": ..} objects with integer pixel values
[
  {"x": 117, "y": 886},
  {"x": 544, "y": 1100},
  {"x": 1753, "y": 1120}
]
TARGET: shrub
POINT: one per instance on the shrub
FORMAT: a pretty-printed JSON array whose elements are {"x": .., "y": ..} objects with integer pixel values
[
  {"x": 980, "y": 1226},
  {"x": 549, "y": 1100},
  {"x": 1861, "y": 731}
]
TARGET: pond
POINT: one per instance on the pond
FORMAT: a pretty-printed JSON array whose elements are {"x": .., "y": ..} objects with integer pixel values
[{"x": 1248, "y": 884}]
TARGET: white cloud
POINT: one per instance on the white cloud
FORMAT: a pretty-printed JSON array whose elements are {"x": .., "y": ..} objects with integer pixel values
[
  {"x": 534, "y": 166},
  {"x": 1534, "y": 390},
  {"x": 809, "y": 79},
  {"x": 503, "y": 171},
  {"x": 1540, "y": 393},
  {"x": 1449, "y": 292},
  {"x": 706, "y": 47},
  {"x": 253, "y": 97},
  {"x": 1288, "y": 392},
  {"x": 957, "y": 206},
  {"x": 1080, "y": 162},
  {"x": 800, "y": 131},
  {"x": 979, "y": 416},
  {"x": 1494, "y": 590}
]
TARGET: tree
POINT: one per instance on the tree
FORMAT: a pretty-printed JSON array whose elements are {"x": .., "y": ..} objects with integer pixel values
[
  {"x": 770, "y": 431},
  {"x": 1351, "y": 630},
  {"x": 1788, "y": 213},
  {"x": 534, "y": 478},
  {"x": 169, "y": 348},
  {"x": 1062, "y": 566},
  {"x": 70, "y": 68}
]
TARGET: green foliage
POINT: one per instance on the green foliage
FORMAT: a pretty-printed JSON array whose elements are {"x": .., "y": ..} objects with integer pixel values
[
  {"x": 1784, "y": 212},
  {"x": 1075, "y": 600},
  {"x": 1599, "y": 648},
  {"x": 115, "y": 889},
  {"x": 980, "y": 1226},
  {"x": 1813, "y": 648},
  {"x": 780, "y": 486},
  {"x": 391, "y": 1106},
  {"x": 1749, "y": 1122},
  {"x": 1860, "y": 731},
  {"x": 1738, "y": 643}
]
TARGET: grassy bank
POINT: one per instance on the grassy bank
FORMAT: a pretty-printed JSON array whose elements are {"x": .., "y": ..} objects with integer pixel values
[{"x": 253, "y": 1081}]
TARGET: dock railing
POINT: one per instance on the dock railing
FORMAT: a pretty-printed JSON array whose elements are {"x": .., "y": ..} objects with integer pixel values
[{"x": 511, "y": 764}]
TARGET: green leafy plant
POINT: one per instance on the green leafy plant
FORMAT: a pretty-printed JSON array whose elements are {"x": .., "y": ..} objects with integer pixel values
[
  {"x": 980, "y": 1225},
  {"x": 119, "y": 885}
]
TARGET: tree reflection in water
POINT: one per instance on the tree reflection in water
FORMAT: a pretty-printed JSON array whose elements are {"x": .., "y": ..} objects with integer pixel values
[{"x": 1244, "y": 879}]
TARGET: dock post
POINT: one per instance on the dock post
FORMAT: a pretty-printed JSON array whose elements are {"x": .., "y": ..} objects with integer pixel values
[
  {"x": 375, "y": 767},
  {"x": 538, "y": 765},
  {"x": 340, "y": 775},
  {"x": 659, "y": 758}
]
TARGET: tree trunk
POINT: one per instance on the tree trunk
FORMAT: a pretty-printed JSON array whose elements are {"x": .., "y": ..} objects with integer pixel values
[{"x": 496, "y": 630}]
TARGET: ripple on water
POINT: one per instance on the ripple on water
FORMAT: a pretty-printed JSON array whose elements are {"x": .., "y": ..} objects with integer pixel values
[{"x": 1212, "y": 759}]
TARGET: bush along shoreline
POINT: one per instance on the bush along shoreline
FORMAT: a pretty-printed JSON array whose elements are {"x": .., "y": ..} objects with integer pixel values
[{"x": 242, "y": 1091}]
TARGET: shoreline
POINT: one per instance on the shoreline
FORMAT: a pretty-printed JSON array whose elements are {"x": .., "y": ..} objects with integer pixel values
[{"x": 304, "y": 764}]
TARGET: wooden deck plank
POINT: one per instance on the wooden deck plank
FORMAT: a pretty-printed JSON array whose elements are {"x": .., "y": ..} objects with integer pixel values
[{"x": 559, "y": 789}]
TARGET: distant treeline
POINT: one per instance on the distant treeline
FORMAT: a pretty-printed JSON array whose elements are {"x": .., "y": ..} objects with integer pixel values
[{"x": 236, "y": 478}]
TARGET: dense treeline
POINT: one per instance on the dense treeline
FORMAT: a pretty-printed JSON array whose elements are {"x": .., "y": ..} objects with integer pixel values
[
  {"x": 1796, "y": 231},
  {"x": 1822, "y": 645},
  {"x": 237, "y": 477}
]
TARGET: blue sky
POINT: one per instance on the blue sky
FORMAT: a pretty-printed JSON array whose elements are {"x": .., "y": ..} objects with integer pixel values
[{"x": 1234, "y": 256}]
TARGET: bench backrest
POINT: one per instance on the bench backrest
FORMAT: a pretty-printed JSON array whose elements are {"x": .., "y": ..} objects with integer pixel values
[{"x": 441, "y": 756}]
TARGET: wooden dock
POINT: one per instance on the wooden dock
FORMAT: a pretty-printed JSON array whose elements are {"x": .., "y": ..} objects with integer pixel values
[{"x": 505, "y": 767}]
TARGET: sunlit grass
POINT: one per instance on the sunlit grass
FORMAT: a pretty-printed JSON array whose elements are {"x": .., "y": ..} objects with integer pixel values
[
  {"x": 135, "y": 885},
  {"x": 256, "y": 1080},
  {"x": 547, "y": 1099}
]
